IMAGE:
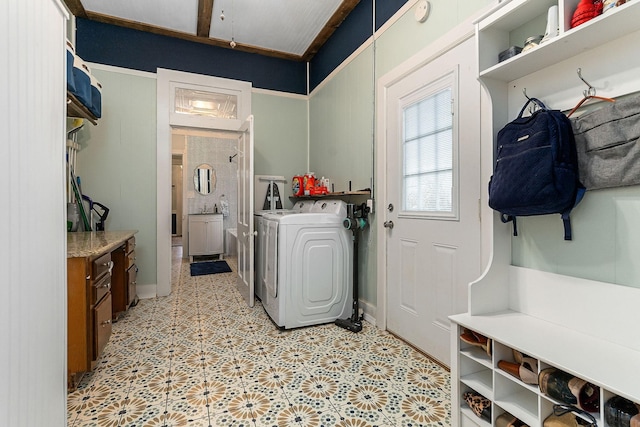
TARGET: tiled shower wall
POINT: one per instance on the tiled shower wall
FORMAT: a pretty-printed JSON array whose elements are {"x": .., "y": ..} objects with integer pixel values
[{"x": 214, "y": 152}]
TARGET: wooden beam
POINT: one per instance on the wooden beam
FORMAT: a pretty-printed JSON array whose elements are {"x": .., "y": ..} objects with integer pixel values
[
  {"x": 205, "y": 8},
  {"x": 98, "y": 17},
  {"x": 338, "y": 17},
  {"x": 76, "y": 8}
]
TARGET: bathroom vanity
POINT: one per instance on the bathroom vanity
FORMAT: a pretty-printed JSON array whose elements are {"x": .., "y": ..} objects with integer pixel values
[
  {"x": 206, "y": 234},
  {"x": 100, "y": 284}
]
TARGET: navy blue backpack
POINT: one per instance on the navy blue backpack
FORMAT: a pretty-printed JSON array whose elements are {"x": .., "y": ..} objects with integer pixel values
[{"x": 536, "y": 170}]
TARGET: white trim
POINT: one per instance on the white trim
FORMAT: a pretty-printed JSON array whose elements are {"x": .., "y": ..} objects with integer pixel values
[
  {"x": 164, "y": 151},
  {"x": 368, "y": 311},
  {"x": 114, "y": 69},
  {"x": 395, "y": 18},
  {"x": 278, "y": 93},
  {"x": 448, "y": 41},
  {"x": 147, "y": 291},
  {"x": 344, "y": 63}
]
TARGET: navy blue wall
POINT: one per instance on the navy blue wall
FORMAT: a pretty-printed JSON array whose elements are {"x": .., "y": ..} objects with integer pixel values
[
  {"x": 385, "y": 10},
  {"x": 138, "y": 50},
  {"x": 349, "y": 36}
]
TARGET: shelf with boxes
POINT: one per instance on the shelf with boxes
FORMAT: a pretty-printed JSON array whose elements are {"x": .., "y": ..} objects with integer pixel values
[{"x": 84, "y": 91}]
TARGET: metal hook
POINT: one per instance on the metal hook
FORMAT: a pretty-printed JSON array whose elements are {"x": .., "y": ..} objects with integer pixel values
[
  {"x": 591, "y": 91},
  {"x": 533, "y": 107}
]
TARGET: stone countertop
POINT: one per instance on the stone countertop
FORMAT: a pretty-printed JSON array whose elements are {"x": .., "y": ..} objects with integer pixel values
[{"x": 93, "y": 243}]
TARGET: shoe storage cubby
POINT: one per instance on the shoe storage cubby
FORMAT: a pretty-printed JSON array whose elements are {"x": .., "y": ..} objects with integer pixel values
[{"x": 476, "y": 371}]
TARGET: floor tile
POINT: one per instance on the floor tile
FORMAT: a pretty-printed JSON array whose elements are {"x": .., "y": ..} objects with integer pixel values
[{"x": 201, "y": 357}]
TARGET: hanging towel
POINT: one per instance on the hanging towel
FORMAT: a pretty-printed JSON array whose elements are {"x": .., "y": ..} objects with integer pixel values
[{"x": 224, "y": 206}]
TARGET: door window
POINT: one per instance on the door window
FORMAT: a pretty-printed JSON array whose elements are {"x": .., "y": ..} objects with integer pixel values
[{"x": 428, "y": 151}]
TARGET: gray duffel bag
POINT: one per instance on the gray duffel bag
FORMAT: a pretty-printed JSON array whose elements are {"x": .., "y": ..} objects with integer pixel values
[{"x": 608, "y": 146}]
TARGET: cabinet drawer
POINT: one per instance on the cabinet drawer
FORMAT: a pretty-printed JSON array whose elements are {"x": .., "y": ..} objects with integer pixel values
[
  {"x": 131, "y": 259},
  {"x": 101, "y": 265},
  {"x": 132, "y": 274},
  {"x": 101, "y": 325},
  {"x": 100, "y": 288},
  {"x": 131, "y": 244}
]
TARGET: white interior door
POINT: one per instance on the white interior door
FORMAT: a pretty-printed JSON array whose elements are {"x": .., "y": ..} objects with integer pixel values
[
  {"x": 246, "y": 235},
  {"x": 432, "y": 198}
]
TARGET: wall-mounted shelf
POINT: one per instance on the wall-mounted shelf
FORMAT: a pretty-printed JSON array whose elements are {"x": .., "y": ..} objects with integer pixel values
[
  {"x": 75, "y": 108},
  {"x": 494, "y": 37},
  {"x": 338, "y": 195}
]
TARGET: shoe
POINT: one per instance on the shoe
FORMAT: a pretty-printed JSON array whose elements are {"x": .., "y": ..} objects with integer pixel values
[
  {"x": 476, "y": 339},
  {"x": 526, "y": 370}
]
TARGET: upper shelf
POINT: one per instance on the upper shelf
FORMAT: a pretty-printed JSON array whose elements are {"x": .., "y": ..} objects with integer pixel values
[
  {"x": 75, "y": 108},
  {"x": 494, "y": 37}
]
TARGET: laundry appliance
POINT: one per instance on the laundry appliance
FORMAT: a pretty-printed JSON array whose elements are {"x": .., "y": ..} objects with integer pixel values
[
  {"x": 261, "y": 241},
  {"x": 308, "y": 264},
  {"x": 268, "y": 199}
]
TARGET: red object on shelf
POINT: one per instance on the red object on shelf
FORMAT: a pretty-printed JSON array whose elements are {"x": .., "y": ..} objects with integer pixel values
[{"x": 585, "y": 11}]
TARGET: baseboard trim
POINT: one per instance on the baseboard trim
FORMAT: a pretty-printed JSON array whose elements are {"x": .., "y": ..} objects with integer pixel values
[{"x": 147, "y": 291}]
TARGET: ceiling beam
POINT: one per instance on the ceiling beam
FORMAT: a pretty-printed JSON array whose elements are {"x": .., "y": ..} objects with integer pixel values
[
  {"x": 205, "y": 9},
  {"x": 338, "y": 17},
  {"x": 76, "y": 8},
  {"x": 121, "y": 22}
]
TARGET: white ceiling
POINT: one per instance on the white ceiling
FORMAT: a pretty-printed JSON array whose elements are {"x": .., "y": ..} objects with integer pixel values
[{"x": 286, "y": 26}]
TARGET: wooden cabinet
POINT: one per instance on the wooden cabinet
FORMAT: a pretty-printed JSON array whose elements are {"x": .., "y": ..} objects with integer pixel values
[
  {"x": 89, "y": 312},
  {"x": 101, "y": 276},
  {"x": 123, "y": 290},
  {"x": 205, "y": 235}
]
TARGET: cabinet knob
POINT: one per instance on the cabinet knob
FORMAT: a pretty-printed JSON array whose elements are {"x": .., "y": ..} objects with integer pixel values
[
  {"x": 106, "y": 285},
  {"x": 106, "y": 322}
]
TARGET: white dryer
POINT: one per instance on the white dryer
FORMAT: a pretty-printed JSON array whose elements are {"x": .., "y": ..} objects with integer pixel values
[
  {"x": 308, "y": 266},
  {"x": 261, "y": 240}
]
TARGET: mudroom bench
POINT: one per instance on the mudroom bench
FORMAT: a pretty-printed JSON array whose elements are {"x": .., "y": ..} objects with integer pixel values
[{"x": 583, "y": 327}]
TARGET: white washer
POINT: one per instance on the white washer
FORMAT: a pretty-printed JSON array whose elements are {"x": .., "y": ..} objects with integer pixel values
[
  {"x": 308, "y": 266},
  {"x": 261, "y": 241}
]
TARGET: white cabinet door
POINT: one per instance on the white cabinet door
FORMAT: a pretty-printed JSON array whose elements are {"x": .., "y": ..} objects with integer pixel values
[
  {"x": 215, "y": 242},
  {"x": 197, "y": 235},
  {"x": 205, "y": 234}
]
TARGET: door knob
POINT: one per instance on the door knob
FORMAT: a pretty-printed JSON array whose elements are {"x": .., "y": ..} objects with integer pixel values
[{"x": 388, "y": 224}]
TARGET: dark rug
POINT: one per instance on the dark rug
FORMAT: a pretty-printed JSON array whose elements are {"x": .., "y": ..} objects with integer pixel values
[{"x": 209, "y": 267}]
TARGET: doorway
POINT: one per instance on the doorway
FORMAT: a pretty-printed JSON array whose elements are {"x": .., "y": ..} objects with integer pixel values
[{"x": 173, "y": 89}]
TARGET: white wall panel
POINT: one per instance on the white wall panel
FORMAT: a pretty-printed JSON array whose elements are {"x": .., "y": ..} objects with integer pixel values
[{"x": 32, "y": 218}]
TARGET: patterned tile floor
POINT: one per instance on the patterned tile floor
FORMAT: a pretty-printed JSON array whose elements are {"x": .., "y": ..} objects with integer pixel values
[{"x": 201, "y": 357}]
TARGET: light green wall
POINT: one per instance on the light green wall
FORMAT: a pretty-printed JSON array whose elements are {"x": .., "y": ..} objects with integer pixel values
[
  {"x": 117, "y": 162},
  {"x": 342, "y": 109},
  {"x": 280, "y": 137},
  {"x": 406, "y": 36},
  {"x": 606, "y": 239}
]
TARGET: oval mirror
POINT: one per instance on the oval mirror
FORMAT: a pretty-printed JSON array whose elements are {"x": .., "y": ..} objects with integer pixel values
[{"x": 204, "y": 179}]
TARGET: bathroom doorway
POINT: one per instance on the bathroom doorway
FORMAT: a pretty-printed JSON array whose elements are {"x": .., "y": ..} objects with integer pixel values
[{"x": 174, "y": 114}]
